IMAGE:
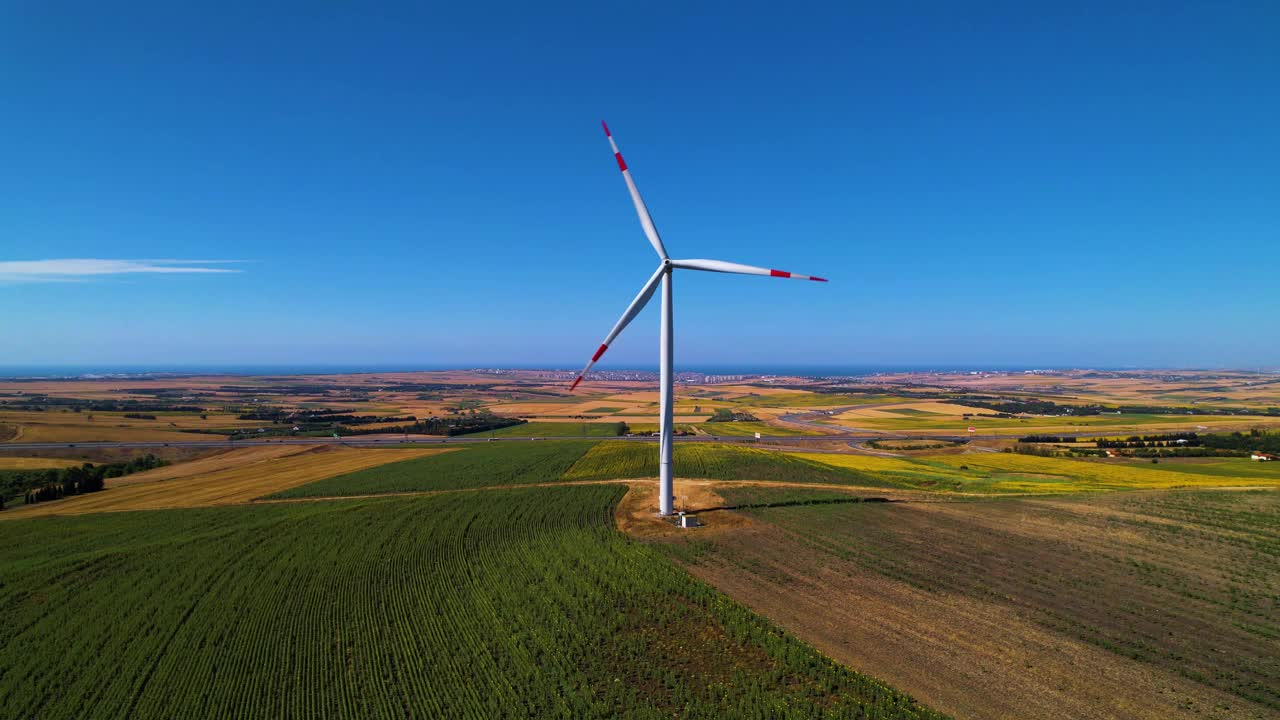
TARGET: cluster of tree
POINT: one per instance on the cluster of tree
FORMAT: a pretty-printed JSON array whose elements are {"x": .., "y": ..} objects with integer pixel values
[
  {"x": 1038, "y": 450},
  {"x": 319, "y": 419},
  {"x": 1175, "y": 452},
  {"x": 140, "y": 416},
  {"x": 453, "y": 425},
  {"x": 1046, "y": 439},
  {"x": 51, "y": 484},
  {"x": 1152, "y": 441},
  {"x": 437, "y": 387},
  {"x": 899, "y": 445},
  {"x": 43, "y": 403},
  {"x": 826, "y": 389},
  {"x": 1255, "y": 441},
  {"x": 727, "y": 415},
  {"x": 297, "y": 389},
  {"x": 531, "y": 391},
  {"x": 166, "y": 392},
  {"x": 1015, "y": 406}
]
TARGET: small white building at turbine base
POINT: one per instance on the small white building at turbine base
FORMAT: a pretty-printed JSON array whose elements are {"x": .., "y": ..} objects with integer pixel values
[{"x": 1263, "y": 457}]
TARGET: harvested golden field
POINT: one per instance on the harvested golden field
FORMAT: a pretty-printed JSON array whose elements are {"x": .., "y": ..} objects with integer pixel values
[
  {"x": 35, "y": 463},
  {"x": 56, "y": 426},
  {"x": 217, "y": 462},
  {"x": 256, "y": 473},
  {"x": 99, "y": 433}
]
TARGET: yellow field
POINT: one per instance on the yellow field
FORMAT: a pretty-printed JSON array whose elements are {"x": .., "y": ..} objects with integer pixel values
[
  {"x": 223, "y": 479},
  {"x": 1015, "y": 473},
  {"x": 30, "y": 463},
  {"x": 1064, "y": 475}
]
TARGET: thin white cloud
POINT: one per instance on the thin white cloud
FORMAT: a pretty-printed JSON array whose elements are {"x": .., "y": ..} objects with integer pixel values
[{"x": 81, "y": 268}]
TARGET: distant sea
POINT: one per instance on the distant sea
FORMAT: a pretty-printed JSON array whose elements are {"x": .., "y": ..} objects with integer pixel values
[{"x": 82, "y": 371}]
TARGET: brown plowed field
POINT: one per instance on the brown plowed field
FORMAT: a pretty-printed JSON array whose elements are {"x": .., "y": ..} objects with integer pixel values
[{"x": 1131, "y": 605}]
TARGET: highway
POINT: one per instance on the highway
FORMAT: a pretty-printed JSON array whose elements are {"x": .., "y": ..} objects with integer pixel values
[
  {"x": 471, "y": 439},
  {"x": 401, "y": 440}
]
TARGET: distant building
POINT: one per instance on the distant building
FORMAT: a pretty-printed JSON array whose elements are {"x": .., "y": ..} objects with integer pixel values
[{"x": 1263, "y": 457}]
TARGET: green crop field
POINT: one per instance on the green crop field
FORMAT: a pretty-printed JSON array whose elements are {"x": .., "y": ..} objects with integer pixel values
[
  {"x": 471, "y": 466},
  {"x": 1227, "y": 467},
  {"x": 912, "y": 412},
  {"x": 489, "y": 465},
  {"x": 524, "y": 604},
  {"x": 749, "y": 428},
  {"x": 555, "y": 429},
  {"x": 608, "y": 460}
]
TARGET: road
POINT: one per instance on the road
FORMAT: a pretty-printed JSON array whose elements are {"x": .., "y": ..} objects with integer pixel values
[
  {"x": 436, "y": 440},
  {"x": 398, "y": 440}
]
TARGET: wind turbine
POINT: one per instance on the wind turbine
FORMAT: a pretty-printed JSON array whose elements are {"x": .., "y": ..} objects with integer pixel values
[{"x": 663, "y": 275}]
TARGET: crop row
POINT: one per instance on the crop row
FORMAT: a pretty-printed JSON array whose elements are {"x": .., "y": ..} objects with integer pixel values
[
  {"x": 524, "y": 604},
  {"x": 490, "y": 465}
]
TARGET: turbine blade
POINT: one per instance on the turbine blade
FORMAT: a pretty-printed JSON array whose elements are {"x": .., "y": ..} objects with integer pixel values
[
  {"x": 737, "y": 268},
  {"x": 646, "y": 221},
  {"x": 633, "y": 309}
]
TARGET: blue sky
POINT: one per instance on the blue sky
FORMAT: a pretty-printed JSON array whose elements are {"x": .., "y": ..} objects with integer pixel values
[{"x": 1006, "y": 183}]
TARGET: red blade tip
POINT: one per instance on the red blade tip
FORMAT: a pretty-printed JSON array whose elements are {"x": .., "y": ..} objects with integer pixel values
[
  {"x": 818, "y": 279},
  {"x": 605, "y": 125},
  {"x": 575, "y": 383}
]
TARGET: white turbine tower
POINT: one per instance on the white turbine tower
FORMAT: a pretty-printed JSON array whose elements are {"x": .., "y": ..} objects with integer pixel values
[{"x": 663, "y": 275}]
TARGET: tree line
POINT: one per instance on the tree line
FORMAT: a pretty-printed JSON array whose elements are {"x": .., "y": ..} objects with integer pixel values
[
  {"x": 319, "y": 419},
  {"x": 727, "y": 415},
  {"x": 1189, "y": 439},
  {"x": 1187, "y": 444},
  {"x": 53, "y": 483},
  {"x": 42, "y": 404},
  {"x": 1267, "y": 441},
  {"x": 455, "y": 425}
]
